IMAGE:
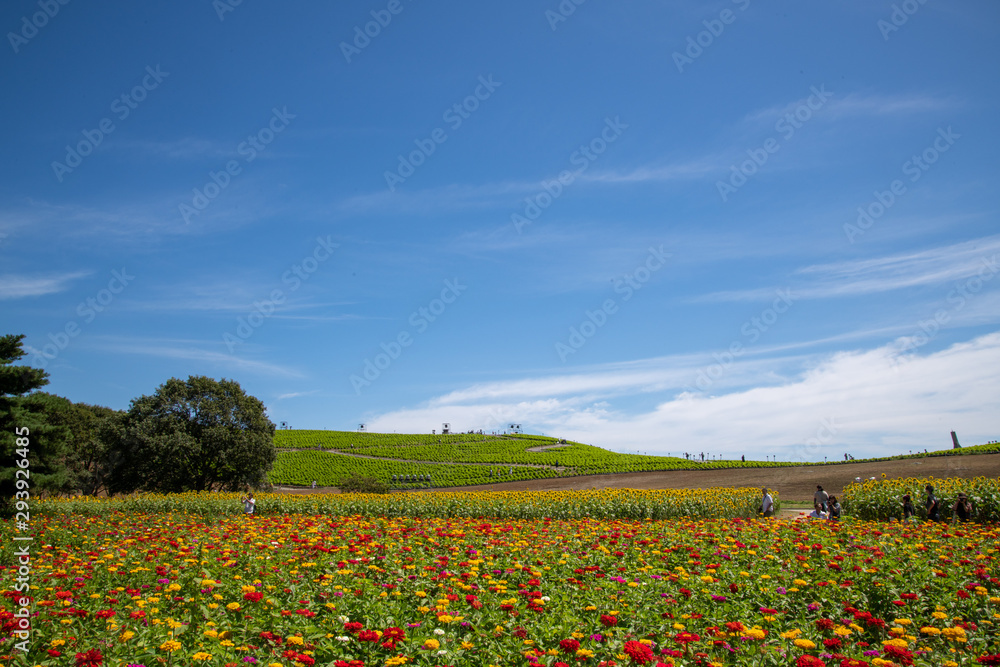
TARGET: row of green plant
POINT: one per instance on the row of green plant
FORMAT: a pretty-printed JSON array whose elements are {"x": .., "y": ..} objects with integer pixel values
[
  {"x": 326, "y": 468},
  {"x": 882, "y": 499},
  {"x": 589, "y": 504},
  {"x": 329, "y": 468}
]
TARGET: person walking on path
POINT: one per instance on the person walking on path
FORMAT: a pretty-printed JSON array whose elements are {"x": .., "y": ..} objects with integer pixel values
[
  {"x": 962, "y": 509},
  {"x": 767, "y": 504},
  {"x": 821, "y": 497},
  {"x": 933, "y": 506}
]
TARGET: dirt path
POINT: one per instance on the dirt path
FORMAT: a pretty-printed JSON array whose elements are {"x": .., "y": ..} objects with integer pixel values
[{"x": 792, "y": 484}]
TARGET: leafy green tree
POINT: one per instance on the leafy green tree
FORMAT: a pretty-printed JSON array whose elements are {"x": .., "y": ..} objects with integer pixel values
[
  {"x": 88, "y": 459},
  {"x": 196, "y": 435},
  {"x": 25, "y": 413}
]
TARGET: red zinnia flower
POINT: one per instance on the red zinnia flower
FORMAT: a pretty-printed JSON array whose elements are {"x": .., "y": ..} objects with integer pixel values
[
  {"x": 639, "y": 652},
  {"x": 91, "y": 658},
  {"x": 853, "y": 662},
  {"x": 824, "y": 624},
  {"x": 253, "y": 596},
  {"x": 898, "y": 654},
  {"x": 809, "y": 661},
  {"x": 569, "y": 645},
  {"x": 685, "y": 637},
  {"x": 609, "y": 621},
  {"x": 394, "y": 634}
]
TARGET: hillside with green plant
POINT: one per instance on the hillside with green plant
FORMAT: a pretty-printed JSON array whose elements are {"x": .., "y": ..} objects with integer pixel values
[
  {"x": 426, "y": 460},
  {"x": 410, "y": 461}
]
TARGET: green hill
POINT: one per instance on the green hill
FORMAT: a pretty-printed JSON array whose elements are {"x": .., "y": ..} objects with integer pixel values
[
  {"x": 407, "y": 461},
  {"x": 422, "y": 460}
]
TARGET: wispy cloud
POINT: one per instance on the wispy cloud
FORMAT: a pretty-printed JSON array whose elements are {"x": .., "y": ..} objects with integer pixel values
[
  {"x": 21, "y": 286},
  {"x": 676, "y": 171},
  {"x": 296, "y": 394},
  {"x": 190, "y": 350},
  {"x": 857, "y": 105},
  {"x": 446, "y": 197},
  {"x": 188, "y": 148},
  {"x": 467, "y": 196},
  {"x": 881, "y": 274}
]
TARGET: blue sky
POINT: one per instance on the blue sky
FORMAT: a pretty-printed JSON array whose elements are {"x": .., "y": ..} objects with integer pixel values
[{"x": 726, "y": 227}]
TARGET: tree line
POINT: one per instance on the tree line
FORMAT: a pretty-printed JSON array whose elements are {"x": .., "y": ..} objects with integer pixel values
[{"x": 189, "y": 435}]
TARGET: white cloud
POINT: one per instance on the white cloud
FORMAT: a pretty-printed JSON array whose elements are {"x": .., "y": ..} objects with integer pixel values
[
  {"x": 866, "y": 402},
  {"x": 19, "y": 287}
]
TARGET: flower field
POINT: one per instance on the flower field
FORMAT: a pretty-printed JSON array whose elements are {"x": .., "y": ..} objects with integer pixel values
[
  {"x": 603, "y": 504},
  {"x": 189, "y": 586},
  {"x": 881, "y": 499}
]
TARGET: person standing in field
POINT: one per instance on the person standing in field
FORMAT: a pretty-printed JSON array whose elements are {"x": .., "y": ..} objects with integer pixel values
[
  {"x": 833, "y": 509},
  {"x": 933, "y": 506},
  {"x": 908, "y": 509},
  {"x": 821, "y": 497},
  {"x": 248, "y": 503},
  {"x": 767, "y": 504},
  {"x": 962, "y": 509}
]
